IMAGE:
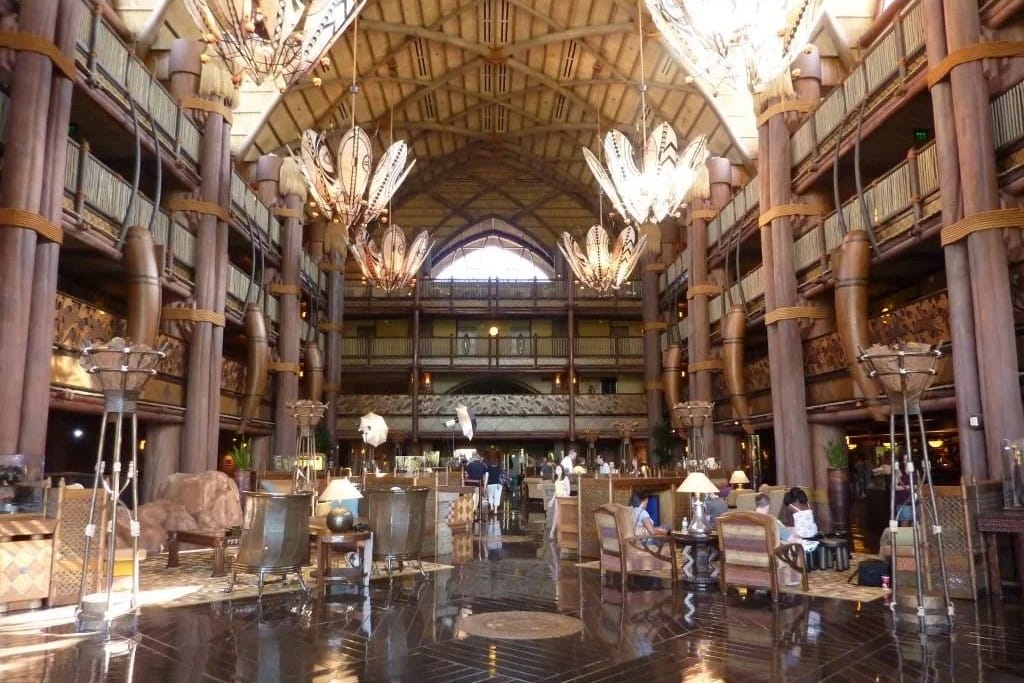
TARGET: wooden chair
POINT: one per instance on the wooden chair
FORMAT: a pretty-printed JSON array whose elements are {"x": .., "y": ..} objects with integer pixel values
[
  {"x": 752, "y": 556},
  {"x": 625, "y": 553}
]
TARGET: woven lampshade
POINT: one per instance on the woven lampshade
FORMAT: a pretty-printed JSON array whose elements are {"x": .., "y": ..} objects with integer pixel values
[{"x": 905, "y": 369}]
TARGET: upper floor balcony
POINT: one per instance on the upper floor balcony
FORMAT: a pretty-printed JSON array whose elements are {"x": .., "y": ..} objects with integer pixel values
[
  {"x": 490, "y": 297},
  {"x": 468, "y": 352}
]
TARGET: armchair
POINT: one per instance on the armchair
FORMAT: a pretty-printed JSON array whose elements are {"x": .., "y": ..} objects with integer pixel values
[
  {"x": 752, "y": 556},
  {"x": 625, "y": 553}
]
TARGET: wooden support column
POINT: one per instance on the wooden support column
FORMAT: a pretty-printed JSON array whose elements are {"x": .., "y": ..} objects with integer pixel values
[
  {"x": 286, "y": 382},
  {"x": 202, "y": 404},
  {"x": 719, "y": 194},
  {"x": 785, "y": 350},
  {"x": 336, "y": 320},
  {"x": 994, "y": 335},
  {"x": 973, "y": 463},
  {"x": 570, "y": 386},
  {"x": 653, "y": 327},
  {"x": 20, "y": 187},
  {"x": 221, "y": 261},
  {"x": 414, "y": 432},
  {"x": 160, "y": 459},
  {"x": 36, "y": 398}
]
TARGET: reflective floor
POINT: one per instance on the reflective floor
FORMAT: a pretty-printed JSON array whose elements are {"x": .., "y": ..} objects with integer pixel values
[{"x": 409, "y": 630}]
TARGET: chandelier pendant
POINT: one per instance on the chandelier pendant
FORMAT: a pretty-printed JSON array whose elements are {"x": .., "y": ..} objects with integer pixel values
[
  {"x": 738, "y": 44},
  {"x": 277, "y": 40},
  {"x": 394, "y": 264},
  {"x": 338, "y": 181},
  {"x": 598, "y": 267}
]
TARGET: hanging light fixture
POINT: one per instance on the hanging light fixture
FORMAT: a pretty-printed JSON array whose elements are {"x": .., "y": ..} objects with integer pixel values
[
  {"x": 393, "y": 265},
  {"x": 738, "y": 43},
  {"x": 338, "y": 181},
  {"x": 599, "y": 268},
  {"x": 278, "y": 40},
  {"x": 649, "y": 192}
]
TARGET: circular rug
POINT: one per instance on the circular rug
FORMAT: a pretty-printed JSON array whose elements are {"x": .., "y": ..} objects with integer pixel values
[{"x": 519, "y": 625}]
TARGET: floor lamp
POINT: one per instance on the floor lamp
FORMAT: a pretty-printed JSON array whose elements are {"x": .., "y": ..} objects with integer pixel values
[
  {"x": 307, "y": 416},
  {"x": 120, "y": 371},
  {"x": 905, "y": 371}
]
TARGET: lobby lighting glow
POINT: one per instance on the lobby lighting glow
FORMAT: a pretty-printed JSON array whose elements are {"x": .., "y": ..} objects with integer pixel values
[
  {"x": 275, "y": 40},
  {"x": 598, "y": 267},
  {"x": 738, "y": 43}
]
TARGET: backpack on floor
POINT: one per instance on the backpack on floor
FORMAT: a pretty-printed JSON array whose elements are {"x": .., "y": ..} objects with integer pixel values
[{"x": 870, "y": 572}]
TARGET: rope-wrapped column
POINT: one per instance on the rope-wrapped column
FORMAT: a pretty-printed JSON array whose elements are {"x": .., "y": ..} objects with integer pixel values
[
  {"x": 36, "y": 397},
  {"x": 25, "y": 171},
  {"x": 653, "y": 327},
  {"x": 959, "y": 282},
  {"x": 785, "y": 350},
  {"x": 200, "y": 86}
]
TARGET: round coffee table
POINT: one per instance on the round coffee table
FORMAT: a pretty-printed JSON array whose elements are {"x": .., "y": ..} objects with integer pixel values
[
  {"x": 700, "y": 559},
  {"x": 360, "y": 542}
]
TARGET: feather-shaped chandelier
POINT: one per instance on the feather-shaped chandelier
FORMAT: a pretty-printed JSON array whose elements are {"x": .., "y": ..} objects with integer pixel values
[
  {"x": 738, "y": 43},
  {"x": 343, "y": 189},
  {"x": 277, "y": 40},
  {"x": 392, "y": 265},
  {"x": 338, "y": 181},
  {"x": 650, "y": 191},
  {"x": 600, "y": 268}
]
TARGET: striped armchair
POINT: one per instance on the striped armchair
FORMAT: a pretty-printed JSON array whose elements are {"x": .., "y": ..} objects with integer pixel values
[
  {"x": 624, "y": 553},
  {"x": 752, "y": 556}
]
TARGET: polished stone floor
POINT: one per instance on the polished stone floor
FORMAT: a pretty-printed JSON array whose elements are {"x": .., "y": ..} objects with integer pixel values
[{"x": 409, "y": 630}]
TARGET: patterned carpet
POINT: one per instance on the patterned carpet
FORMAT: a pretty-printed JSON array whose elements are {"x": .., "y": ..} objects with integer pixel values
[
  {"x": 824, "y": 583},
  {"x": 190, "y": 583}
]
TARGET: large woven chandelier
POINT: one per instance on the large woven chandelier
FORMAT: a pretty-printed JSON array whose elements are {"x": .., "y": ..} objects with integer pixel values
[
  {"x": 278, "y": 40},
  {"x": 393, "y": 265},
  {"x": 739, "y": 43},
  {"x": 338, "y": 181},
  {"x": 650, "y": 191},
  {"x": 598, "y": 267}
]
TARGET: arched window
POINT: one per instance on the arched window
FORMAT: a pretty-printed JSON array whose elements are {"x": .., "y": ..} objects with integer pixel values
[{"x": 495, "y": 255}]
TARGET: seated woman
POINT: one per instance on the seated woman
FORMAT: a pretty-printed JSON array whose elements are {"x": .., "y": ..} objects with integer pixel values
[
  {"x": 797, "y": 516},
  {"x": 643, "y": 525},
  {"x": 563, "y": 489}
]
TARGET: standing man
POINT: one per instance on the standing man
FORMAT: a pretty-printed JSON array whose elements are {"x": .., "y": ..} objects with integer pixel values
[{"x": 569, "y": 461}]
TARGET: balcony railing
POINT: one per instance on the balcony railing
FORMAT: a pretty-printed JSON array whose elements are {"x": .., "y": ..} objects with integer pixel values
[
  {"x": 466, "y": 351},
  {"x": 490, "y": 293}
]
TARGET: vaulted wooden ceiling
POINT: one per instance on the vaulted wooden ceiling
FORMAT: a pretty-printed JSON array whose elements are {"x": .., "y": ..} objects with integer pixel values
[{"x": 496, "y": 98}]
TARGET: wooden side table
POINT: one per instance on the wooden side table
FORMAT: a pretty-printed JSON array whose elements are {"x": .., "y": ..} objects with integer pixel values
[
  {"x": 700, "y": 559},
  {"x": 218, "y": 539},
  {"x": 360, "y": 542}
]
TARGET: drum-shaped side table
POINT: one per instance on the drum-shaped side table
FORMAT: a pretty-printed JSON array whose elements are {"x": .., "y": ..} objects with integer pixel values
[{"x": 359, "y": 542}]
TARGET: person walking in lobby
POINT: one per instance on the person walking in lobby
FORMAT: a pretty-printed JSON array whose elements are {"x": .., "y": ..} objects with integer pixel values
[{"x": 495, "y": 484}]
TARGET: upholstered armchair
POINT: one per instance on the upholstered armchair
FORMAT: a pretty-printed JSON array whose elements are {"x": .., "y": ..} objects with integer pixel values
[
  {"x": 625, "y": 553},
  {"x": 752, "y": 556}
]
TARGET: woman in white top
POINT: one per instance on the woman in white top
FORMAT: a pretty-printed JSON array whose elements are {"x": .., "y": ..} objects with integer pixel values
[{"x": 562, "y": 490}]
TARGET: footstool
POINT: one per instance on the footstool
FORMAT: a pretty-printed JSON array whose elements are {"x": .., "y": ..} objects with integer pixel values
[{"x": 837, "y": 553}]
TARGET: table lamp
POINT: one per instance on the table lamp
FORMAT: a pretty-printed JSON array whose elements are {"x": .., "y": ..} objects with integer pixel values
[
  {"x": 339, "y": 491},
  {"x": 697, "y": 484},
  {"x": 739, "y": 478}
]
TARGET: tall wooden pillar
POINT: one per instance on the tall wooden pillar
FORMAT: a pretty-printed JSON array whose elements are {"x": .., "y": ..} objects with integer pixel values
[
  {"x": 221, "y": 261},
  {"x": 335, "y": 266},
  {"x": 973, "y": 463},
  {"x": 996, "y": 344},
  {"x": 36, "y": 398},
  {"x": 653, "y": 327},
  {"x": 21, "y": 185},
  {"x": 268, "y": 177},
  {"x": 785, "y": 351},
  {"x": 202, "y": 392},
  {"x": 719, "y": 194}
]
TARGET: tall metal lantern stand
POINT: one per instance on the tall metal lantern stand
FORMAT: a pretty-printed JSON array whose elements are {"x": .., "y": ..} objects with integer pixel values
[
  {"x": 695, "y": 415},
  {"x": 120, "y": 370},
  {"x": 905, "y": 371},
  {"x": 307, "y": 416}
]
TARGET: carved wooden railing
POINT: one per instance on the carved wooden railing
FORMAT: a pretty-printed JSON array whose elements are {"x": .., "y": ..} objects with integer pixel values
[{"x": 493, "y": 405}]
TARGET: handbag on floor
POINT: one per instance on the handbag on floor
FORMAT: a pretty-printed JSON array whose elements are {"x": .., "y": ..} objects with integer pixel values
[{"x": 870, "y": 572}]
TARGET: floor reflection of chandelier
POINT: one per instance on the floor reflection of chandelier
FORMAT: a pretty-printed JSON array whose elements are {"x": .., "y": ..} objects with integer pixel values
[
  {"x": 271, "y": 39},
  {"x": 597, "y": 267},
  {"x": 738, "y": 43}
]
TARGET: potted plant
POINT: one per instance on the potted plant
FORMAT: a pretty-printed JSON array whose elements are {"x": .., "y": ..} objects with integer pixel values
[
  {"x": 241, "y": 457},
  {"x": 838, "y": 457}
]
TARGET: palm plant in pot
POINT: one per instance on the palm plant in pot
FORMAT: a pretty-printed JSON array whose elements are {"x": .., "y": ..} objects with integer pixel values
[
  {"x": 241, "y": 456},
  {"x": 838, "y": 458}
]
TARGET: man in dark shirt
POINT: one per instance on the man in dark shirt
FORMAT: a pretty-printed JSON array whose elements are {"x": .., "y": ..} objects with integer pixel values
[{"x": 475, "y": 471}]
